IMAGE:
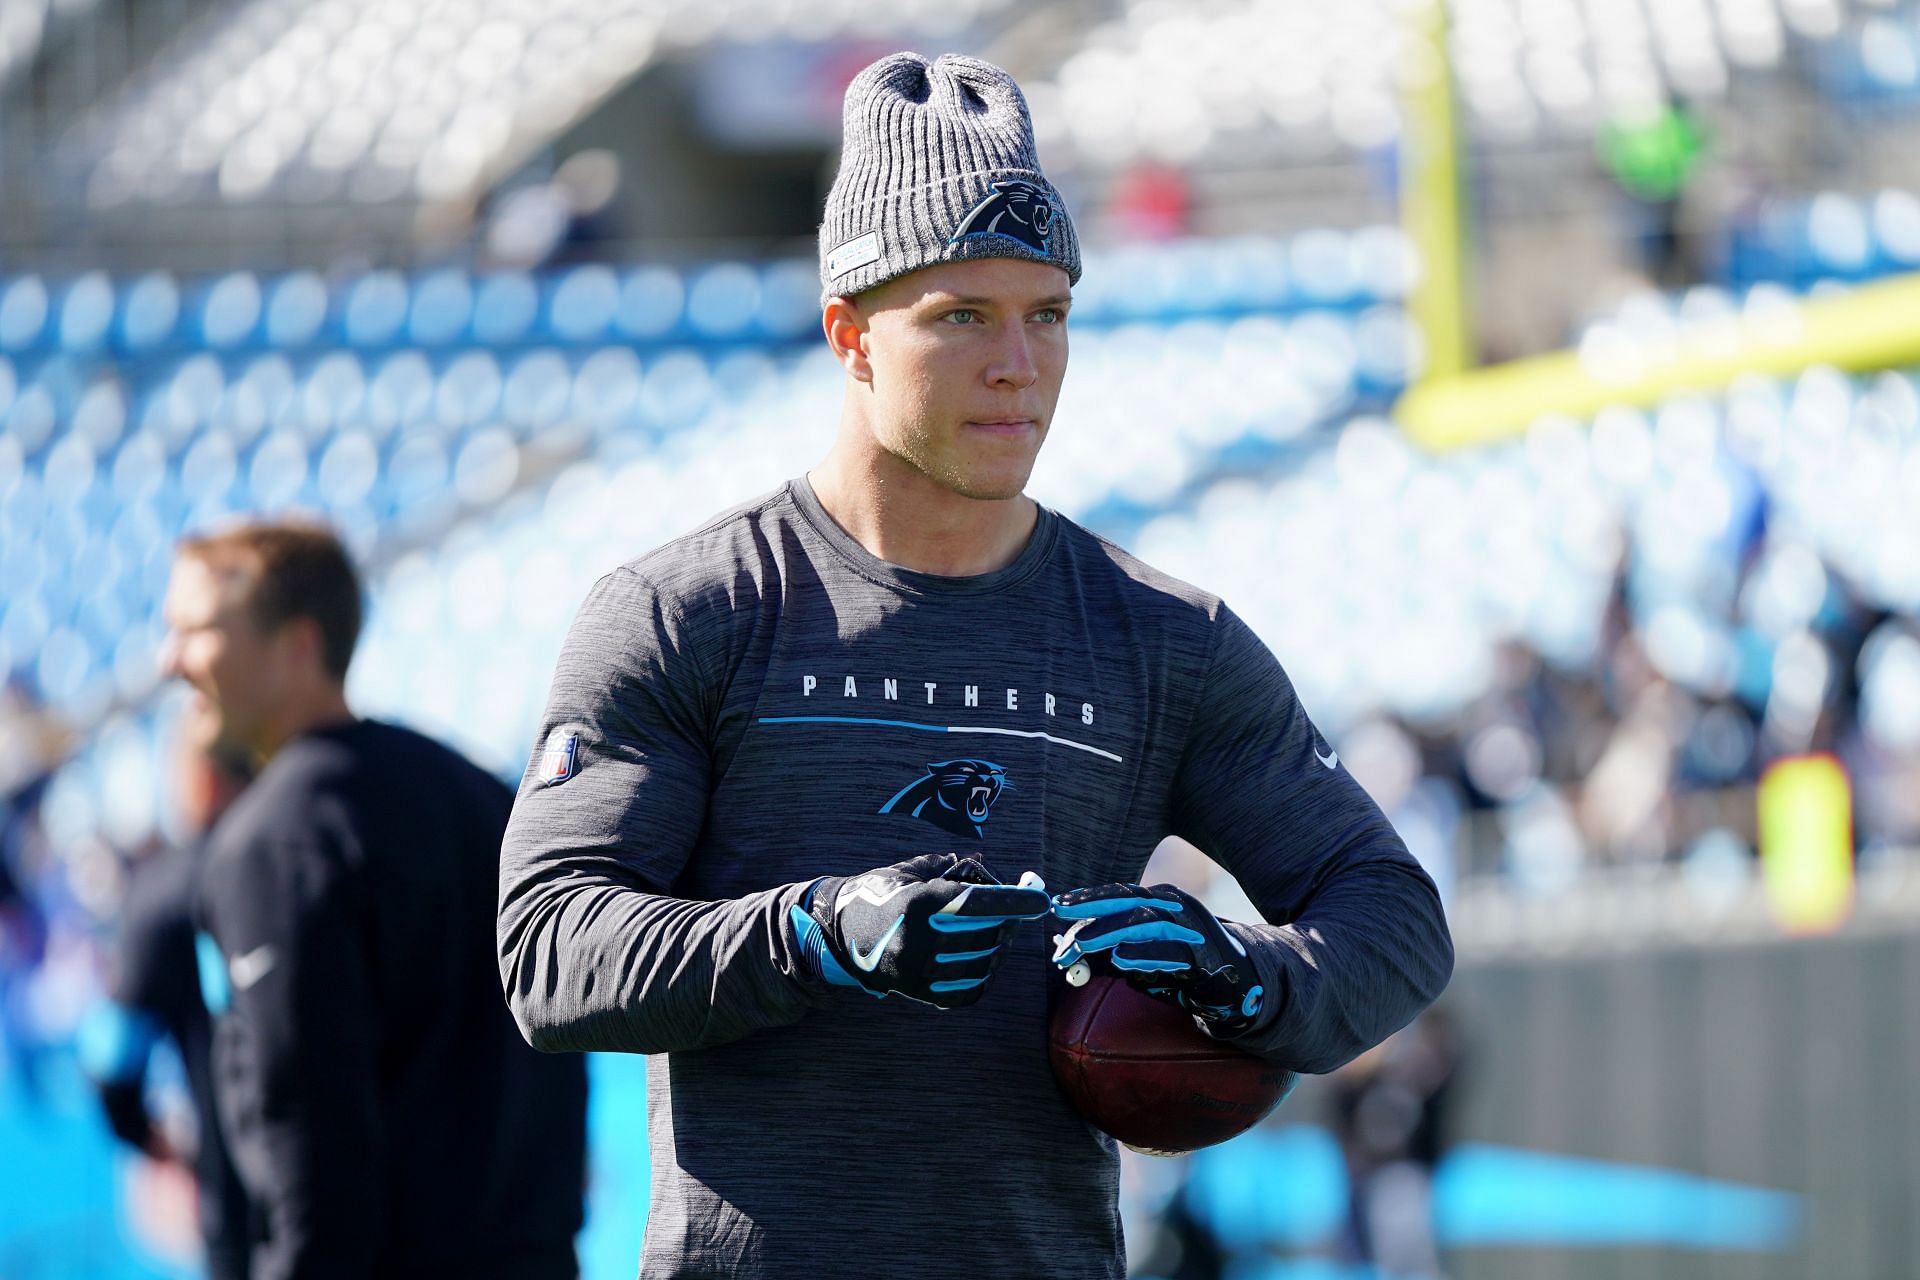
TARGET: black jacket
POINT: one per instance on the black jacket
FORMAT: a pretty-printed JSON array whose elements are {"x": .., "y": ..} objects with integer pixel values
[{"x": 382, "y": 1109}]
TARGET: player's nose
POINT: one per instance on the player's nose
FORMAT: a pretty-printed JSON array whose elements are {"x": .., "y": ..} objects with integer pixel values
[{"x": 1013, "y": 364}]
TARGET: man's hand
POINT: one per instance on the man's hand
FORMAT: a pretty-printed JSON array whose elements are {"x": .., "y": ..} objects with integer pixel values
[
  {"x": 929, "y": 928},
  {"x": 1166, "y": 943}
]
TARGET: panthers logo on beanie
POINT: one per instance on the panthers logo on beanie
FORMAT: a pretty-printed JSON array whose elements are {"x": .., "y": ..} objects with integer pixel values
[
  {"x": 955, "y": 795},
  {"x": 1017, "y": 209}
]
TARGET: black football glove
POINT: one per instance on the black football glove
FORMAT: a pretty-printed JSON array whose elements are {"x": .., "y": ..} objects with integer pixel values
[
  {"x": 1166, "y": 943},
  {"x": 929, "y": 928}
]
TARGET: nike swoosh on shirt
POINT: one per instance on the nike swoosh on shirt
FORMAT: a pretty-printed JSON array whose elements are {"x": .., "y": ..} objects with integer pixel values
[
  {"x": 249, "y": 967},
  {"x": 1331, "y": 759},
  {"x": 866, "y": 963}
]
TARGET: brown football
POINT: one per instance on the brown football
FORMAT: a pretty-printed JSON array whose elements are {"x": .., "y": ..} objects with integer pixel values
[{"x": 1139, "y": 1069}]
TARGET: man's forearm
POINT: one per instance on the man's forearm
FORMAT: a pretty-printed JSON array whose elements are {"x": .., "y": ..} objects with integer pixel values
[
  {"x": 1370, "y": 952},
  {"x": 593, "y": 965}
]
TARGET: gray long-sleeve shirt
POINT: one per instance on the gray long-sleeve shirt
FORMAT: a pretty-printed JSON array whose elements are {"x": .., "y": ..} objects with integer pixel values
[{"x": 763, "y": 702}]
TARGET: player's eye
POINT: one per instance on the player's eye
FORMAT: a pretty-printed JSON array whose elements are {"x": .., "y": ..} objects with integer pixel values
[
  {"x": 1050, "y": 315},
  {"x": 962, "y": 315}
]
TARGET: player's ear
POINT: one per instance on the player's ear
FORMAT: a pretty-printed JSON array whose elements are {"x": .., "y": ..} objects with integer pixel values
[{"x": 846, "y": 331}]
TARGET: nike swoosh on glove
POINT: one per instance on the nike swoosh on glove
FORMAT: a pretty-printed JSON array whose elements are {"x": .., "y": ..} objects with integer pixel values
[
  {"x": 1164, "y": 942},
  {"x": 930, "y": 928}
]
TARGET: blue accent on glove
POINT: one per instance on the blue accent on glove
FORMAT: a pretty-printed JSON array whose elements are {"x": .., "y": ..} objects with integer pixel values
[
  {"x": 1067, "y": 908},
  {"x": 888, "y": 929},
  {"x": 1072, "y": 948},
  {"x": 955, "y": 957},
  {"x": 1164, "y": 942},
  {"x": 813, "y": 949},
  {"x": 1144, "y": 964},
  {"x": 968, "y": 924}
]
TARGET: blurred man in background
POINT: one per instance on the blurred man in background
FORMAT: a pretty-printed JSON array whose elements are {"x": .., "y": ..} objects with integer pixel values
[
  {"x": 382, "y": 1112},
  {"x": 155, "y": 992},
  {"x": 1391, "y": 1109},
  {"x": 766, "y": 741}
]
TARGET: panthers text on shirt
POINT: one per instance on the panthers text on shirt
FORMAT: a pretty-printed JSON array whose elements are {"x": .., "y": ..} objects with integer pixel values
[{"x": 969, "y": 695}]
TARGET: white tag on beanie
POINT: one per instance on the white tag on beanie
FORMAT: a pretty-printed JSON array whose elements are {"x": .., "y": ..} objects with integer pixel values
[{"x": 857, "y": 252}]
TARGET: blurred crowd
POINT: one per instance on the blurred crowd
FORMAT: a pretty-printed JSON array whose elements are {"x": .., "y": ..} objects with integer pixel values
[
  {"x": 1552, "y": 772},
  {"x": 1647, "y": 757}
]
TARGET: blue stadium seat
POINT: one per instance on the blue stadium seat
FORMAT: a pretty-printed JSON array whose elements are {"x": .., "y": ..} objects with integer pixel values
[
  {"x": 208, "y": 469},
  {"x": 276, "y": 474},
  {"x": 677, "y": 391},
  {"x": 33, "y": 416},
  {"x": 607, "y": 387},
  {"x": 86, "y": 312},
  {"x": 1837, "y": 237},
  {"x": 1262, "y": 279},
  {"x": 138, "y": 468},
  {"x": 1386, "y": 350},
  {"x": 296, "y": 310},
  {"x": 149, "y": 309},
  {"x": 1147, "y": 281},
  {"x": 416, "y": 475},
  {"x": 333, "y": 392},
  {"x": 376, "y": 309},
  {"x": 442, "y": 311},
  {"x": 1322, "y": 263},
  {"x": 66, "y": 662},
  {"x": 469, "y": 388},
  {"x": 400, "y": 392},
  {"x": 24, "y": 307},
  {"x": 21, "y": 561},
  {"x": 1896, "y": 230},
  {"x": 348, "y": 470},
  {"x": 69, "y": 469},
  {"x": 790, "y": 300},
  {"x": 651, "y": 303},
  {"x": 1207, "y": 279},
  {"x": 743, "y": 374},
  {"x": 486, "y": 467},
  {"x": 723, "y": 301},
  {"x": 505, "y": 307},
  {"x": 582, "y": 304},
  {"x": 536, "y": 391},
  {"x": 230, "y": 310}
]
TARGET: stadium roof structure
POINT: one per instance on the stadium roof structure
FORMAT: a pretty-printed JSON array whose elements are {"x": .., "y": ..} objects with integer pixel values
[
  {"x": 378, "y": 102},
  {"x": 1263, "y": 80},
  {"x": 383, "y": 101}
]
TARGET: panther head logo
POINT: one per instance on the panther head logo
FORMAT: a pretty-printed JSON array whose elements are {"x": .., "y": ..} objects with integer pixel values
[
  {"x": 1018, "y": 209},
  {"x": 955, "y": 796}
]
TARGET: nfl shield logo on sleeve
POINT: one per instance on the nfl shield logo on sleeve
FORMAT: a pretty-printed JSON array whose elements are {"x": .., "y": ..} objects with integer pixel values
[{"x": 557, "y": 759}]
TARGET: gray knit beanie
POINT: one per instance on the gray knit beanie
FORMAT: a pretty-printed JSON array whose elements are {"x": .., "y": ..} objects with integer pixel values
[{"x": 938, "y": 166}]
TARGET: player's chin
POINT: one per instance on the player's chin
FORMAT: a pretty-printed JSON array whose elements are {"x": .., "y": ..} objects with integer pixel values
[
  {"x": 995, "y": 479},
  {"x": 991, "y": 490}
]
